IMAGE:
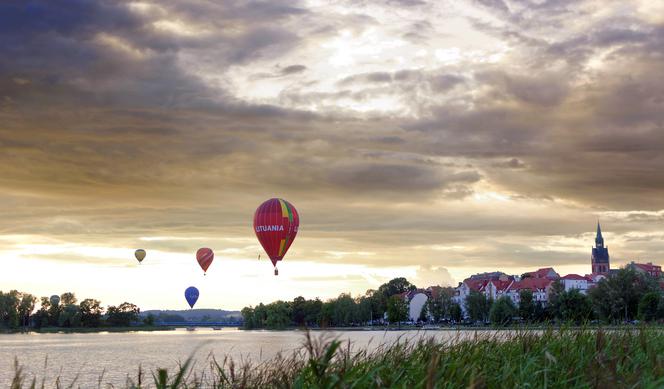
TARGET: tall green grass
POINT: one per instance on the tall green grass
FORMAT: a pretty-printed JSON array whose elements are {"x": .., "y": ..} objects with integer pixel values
[{"x": 554, "y": 358}]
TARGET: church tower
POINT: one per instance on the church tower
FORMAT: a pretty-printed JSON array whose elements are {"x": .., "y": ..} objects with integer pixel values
[{"x": 599, "y": 259}]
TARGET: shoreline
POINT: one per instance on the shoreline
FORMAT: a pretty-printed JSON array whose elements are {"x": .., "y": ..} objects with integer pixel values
[{"x": 57, "y": 330}]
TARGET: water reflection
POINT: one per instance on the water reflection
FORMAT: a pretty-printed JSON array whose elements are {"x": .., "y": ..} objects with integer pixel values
[{"x": 85, "y": 357}]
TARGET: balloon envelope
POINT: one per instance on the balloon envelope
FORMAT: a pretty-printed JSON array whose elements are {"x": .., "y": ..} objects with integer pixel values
[
  {"x": 204, "y": 256},
  {"x": 140, "y": 255},
  {"x": 275, "y": 223},
  {"x": 191, "y": 294},
  {"x": 55, "y": 299}
]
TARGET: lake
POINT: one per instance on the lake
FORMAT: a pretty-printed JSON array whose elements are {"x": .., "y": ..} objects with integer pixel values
[{"x": 84, "y": 357}]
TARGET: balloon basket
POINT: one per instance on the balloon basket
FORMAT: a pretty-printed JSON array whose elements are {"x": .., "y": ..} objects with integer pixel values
[{"x": 276, "y": 272}]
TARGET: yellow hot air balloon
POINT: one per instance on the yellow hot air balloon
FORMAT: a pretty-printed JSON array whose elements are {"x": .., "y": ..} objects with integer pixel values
[{"x": 140, "y": 254}]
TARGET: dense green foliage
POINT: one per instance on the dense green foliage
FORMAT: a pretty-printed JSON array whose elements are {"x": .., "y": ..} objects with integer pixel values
[
  {"x": 16, "y": 310},
  {"x": 565, "y": 358},
  {"x": 502, "y": 311},
  {"x": 397, "y": 309},
  {"x": 342, "y": 311},
  {"x": 478, "y": 306},
  {"x": 617, "y": 297}
]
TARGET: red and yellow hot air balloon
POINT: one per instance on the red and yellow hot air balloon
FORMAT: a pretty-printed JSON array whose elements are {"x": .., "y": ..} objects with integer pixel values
[
  {"x": 204, "y": 256},
  {"x": 275, "y": 223}
]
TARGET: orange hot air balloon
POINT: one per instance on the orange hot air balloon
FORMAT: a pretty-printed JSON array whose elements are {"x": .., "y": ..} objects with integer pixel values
[
  {"x": 276, "y": 222},
  {"x": 204, "y": 256}
]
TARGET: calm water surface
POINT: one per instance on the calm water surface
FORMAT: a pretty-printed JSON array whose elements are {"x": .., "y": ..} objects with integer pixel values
[{"x": 85, "y": 357}]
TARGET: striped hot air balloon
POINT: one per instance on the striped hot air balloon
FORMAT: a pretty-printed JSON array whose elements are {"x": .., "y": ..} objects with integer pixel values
[
  {"x": 204, "y": 256},
  {"x": 275, "y": 223}
]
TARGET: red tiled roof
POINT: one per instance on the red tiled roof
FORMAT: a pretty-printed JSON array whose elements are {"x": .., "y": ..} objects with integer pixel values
[
  {"x": 502, "y": 285},
  {"x": 541, "y": 273},
  {"x": 435, "y": 291},
  {"x": 574, "y": 277},
  {"x": 476, "y": 284},
  {"x": 649, "y": 267},
  {"x": 531, "y": 283}
]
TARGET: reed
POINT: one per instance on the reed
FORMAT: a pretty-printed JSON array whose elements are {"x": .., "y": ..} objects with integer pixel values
[{"x": 552, "y": 358}]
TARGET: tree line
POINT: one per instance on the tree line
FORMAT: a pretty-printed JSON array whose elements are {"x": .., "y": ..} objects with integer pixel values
[
  {"x": 17, "y": 309},
  {"x": 376, "y": 306},
  {"x": 622, "y": 297}
]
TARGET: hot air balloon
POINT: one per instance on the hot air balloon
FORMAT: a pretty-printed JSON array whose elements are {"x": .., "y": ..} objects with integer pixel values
[
  {"x": 204, "y": 256},
  {"x": 55, "y": 300},
  {"x": 140, "y": 255},
  {"x": 275, "y": 223},
  {"x": 191, "y": 294}
]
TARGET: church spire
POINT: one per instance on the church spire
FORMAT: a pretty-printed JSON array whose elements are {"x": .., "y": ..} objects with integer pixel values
[{"x": 599, "y": 240}]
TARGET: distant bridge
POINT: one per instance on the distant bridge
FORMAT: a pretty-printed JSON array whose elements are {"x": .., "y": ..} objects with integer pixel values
[{"x": 197, "y": 324}]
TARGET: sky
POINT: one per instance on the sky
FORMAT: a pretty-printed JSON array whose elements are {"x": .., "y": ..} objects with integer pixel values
[{"x": 425, "y": 139}]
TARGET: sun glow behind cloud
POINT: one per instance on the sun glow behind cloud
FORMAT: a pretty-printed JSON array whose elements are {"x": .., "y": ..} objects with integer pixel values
[{"x": 423, "y": 139}]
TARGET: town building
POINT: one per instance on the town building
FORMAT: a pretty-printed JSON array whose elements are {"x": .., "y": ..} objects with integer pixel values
[
  {"x": 646, "y": 268},
  {"x": 599, "y": 258},
  {"x": 575, "y": 281},
  {"x": 539, "y": 286},
  {"x": 540, "y": 282},
  {"x": 546, "y": 272}
]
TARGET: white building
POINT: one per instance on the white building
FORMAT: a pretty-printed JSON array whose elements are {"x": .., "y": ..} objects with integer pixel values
[
  {"x": 575, "y": 281},
  {"x": 539, "y": 287}
]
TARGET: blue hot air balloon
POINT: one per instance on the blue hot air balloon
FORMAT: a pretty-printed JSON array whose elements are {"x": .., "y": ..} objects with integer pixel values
[{"x": 191, "y": 294}]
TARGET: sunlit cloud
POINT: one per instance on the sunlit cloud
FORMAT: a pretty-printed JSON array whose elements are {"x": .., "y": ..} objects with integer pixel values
[{"x": 429, "y": 140}]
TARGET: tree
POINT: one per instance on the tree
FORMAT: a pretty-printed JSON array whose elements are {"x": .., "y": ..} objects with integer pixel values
[
  {"x": 327, "y": 314},
  {"x": 25, "y": 308},
  {"x": 660, "y": 309},
  {"x": 526, "y": 305},
  {"x": 260, "y": 315},
  {"x": 617, "y": 297},
  {"x": 344, "y": 310},
  {"x": 648, "y": 306},
  {"x": 248, "y": 318},
  {"x": 436, "y": 309},
  {"x": 149, "y": 320},
  {"x": 456, "y": 313},
  {"x": 91, "y": 312},
  {"x": 68, "y": 299},
  {"x": 299, "y": 312},
  {"x": 122, "y": 315},
  {"x": 502, "y": 311},
  {"x": 477, "y": 306},
  {"x": 397, "y": 309},
  {"x": 574, "y": 306},
  {"x": 424, "y": 314},
  {"x": 365, "y": 313},
  {"x": 278, "y": 315},
  {"x": 70, "y": 316},
  {"x": 553, "y": 308},
  {"x": 396, "y": 286},
  {"x": 312, "y": 310},
  {"x": 9, "y": 303}
]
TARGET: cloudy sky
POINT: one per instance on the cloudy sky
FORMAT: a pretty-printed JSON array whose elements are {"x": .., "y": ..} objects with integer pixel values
[{"x": 429, "y": 139}]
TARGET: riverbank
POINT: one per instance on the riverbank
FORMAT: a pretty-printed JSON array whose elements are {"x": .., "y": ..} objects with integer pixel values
[
  {"x": 625, "y": 357},
  {"x": 77, "y": 330}
]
